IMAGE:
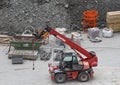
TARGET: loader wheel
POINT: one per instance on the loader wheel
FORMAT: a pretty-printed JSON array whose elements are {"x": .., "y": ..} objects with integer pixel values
[
  {"x": 60, "y": 78},
  {"x": 83, "y": 77}
]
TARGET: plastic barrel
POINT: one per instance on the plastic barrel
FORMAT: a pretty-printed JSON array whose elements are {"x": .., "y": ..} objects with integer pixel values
[{"x": 90, "y": 16}]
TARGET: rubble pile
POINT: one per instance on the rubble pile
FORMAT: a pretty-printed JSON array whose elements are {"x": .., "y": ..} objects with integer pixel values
[{"x": 16, "y": 15}]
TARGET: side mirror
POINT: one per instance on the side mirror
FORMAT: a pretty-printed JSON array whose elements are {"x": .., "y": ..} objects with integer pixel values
[{"x": 92, "y": 53}]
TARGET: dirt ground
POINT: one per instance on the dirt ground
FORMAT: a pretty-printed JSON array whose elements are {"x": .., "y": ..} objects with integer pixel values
[{"x": 107, "y": 72}]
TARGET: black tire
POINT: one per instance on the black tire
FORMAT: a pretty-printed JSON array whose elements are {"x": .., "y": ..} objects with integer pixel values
[
  {"x": 60, "y": 78},
  {"x": 83, "y": 77}
]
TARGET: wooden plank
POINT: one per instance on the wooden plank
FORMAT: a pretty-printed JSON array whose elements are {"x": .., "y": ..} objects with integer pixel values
[{"x": 113, "y": 13}]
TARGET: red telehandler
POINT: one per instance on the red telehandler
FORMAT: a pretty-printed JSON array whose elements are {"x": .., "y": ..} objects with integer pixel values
[{"x": 69, "y": 67}]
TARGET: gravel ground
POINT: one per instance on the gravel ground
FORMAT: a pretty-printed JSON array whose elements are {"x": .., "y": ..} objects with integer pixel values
[
  {"x": 107, "y": 72},
  {"x": 17, "y": 15}
]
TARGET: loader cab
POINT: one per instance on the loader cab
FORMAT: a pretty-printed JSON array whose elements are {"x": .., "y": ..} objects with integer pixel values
[{"x": 68, "y": 61}]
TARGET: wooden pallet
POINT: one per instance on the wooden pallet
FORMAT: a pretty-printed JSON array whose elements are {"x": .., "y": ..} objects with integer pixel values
[
  {"x": 27, "y": 54},
  {"x": 114, "y": 26},
  {"x": 113, "y": 20}
]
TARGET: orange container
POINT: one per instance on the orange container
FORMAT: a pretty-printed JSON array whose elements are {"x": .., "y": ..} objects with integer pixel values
[{"x": 90, "y": 16}]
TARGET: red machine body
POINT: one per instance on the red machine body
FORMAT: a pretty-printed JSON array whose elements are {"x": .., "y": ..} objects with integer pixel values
[
  {"x": 81, "y": 70},
  {"x": 91, "y": 59}
]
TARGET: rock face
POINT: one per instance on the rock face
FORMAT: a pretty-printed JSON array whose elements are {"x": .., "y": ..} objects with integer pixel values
[{"x": 18, "y": 15}]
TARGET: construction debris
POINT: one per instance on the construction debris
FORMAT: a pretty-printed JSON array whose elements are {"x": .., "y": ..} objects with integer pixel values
[
  {"x": 57, "y": 52},
  {"x": 107, "y": 33},
  {"x": 61, "y": 31},
  {"x": 76, "y": 37},
  {"x": 44, "y": 52},
  {"x": 94, "y": 34}
]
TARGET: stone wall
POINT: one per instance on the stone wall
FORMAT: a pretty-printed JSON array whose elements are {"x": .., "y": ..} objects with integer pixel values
[{"x": 18, "y": 15}]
